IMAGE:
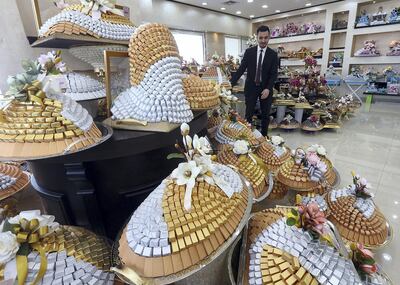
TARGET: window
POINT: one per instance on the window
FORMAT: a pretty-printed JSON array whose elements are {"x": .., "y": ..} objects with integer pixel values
[
  {"x": 232, "y": 47},
  {"x": 191, "y": 45}
]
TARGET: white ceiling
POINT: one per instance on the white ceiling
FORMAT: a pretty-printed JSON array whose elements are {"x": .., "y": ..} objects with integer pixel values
[{"x": 255, "y": 8}]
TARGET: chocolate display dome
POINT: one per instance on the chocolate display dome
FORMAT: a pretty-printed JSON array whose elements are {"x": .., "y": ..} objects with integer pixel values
[
  {"x": 200, "y": 93},
  {"x": 157, "y": 93},
  {"x": 40, "y": 120},
  {"x": 12, "y": 180},
  {"x": 248, "y": 167},
  {"x": 308, "y": 171},
  {"x": 230, "y": 131},
  {"x": 357, "y": 217},
  {"x": 189, "y": 219},
  {"x": 80, "y": 19},
  {"x": 283, "y": 254},
  {"x": 72, "y": 255},
  {"x": 273, "y": 155}
]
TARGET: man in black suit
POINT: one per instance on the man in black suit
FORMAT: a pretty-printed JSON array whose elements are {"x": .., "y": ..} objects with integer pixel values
[{"x": 261, "y": 63}]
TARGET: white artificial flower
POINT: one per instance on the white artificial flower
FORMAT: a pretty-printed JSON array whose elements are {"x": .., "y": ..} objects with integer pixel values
[
  {"x": 188, "y": 142},
  {"x": 241, "y": 147},
  {"x": 186, "y": 174},
  {"x": 45, "y": 58},
  {"x": 202, "y": 145},
  {"x": 52, "y": 84},
  {"x": 44, "y": 220},
  {"x": 185, "y": 129},
  {"x": 205, "y": 164},
  {"x": 8, "y": 247},
  {"x": 277, "y": 140},
  {"x": 321, "y": 150}
]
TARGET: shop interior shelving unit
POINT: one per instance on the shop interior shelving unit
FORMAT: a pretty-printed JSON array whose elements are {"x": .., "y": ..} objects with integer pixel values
[{"x": 343, "y": 40}]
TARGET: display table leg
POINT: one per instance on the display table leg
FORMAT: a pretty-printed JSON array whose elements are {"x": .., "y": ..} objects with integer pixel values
[
  {"x": 280, "y": 113},
  {"x": 298, "y": 115}
]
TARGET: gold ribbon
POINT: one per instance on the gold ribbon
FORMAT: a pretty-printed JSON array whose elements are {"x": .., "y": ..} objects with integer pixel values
[
  {"x": 129, "y": 276},
  {"x": 35, "y": 92},
  {"x": 22, "y": 268},
  {"x": 30, "y": 232}
]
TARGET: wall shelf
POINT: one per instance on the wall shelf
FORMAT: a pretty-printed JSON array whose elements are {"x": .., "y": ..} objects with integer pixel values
[
  {"x": 299, "y": 62},
  {"x": 364, "y": 60},
  {"x": 339, "y": 31},
  {"x": 297, "y": 38},
  {"x": 61, "y": 41},
  {"x": 386, "y": 28}
]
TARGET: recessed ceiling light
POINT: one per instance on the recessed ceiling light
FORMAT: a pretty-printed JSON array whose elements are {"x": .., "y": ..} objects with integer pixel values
[
  {"x": 223, "y": 8},
  {"x": 251, "y": 16},
  {"x": 265, "y": 6},
  {"x": 204, "y": 3},
  {"x": 277, "y": 11},
  {"x": 238, "y": 12},
  {"x": 308, "y": 4},
  {"x": 250, "y": 1}
]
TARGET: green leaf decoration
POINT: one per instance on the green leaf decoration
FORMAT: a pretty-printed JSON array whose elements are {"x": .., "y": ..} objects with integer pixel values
[
  {"x": 294, "y": 212},
  {"x": 368, "y": 261},
  {"x": 7, "y": 227},
  {"x": 176, "y": 155},
  {"x": 290, "y": 221},
  {"x": 24, "y": 249}
]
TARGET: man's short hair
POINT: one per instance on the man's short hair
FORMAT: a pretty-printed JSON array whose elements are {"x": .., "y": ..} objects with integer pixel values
[{"x": 262, "y": 28}]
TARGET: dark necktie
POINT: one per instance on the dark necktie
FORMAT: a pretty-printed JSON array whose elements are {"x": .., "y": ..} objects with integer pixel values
[{"x": 258, "y": 72}]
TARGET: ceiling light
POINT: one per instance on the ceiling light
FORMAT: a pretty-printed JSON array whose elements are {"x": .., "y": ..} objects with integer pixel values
[
  {"x": 265, "y": 6},
  {"x": 277, "y": 11},
  {"x": 251, "y": 16},
  {"x": 308, "y": 4},
  {"x": 238, "y": 12},
  {"x": 223, "y": 8},
  {"x": 204, "y": 3},
  {"x": 250, "y": 1}
]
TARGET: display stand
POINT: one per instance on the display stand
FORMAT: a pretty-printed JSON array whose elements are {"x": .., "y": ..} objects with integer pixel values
[{"x": 100, "y": 187}]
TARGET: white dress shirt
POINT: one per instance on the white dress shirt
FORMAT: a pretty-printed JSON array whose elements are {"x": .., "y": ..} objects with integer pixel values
[{"x": 258, "y": 54}]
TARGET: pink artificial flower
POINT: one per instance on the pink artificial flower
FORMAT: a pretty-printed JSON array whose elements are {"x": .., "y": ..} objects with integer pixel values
[
  {"x": 313, "y": 158},
  {"x": 366, "y": 253},
  {"x": 314, "y": 218},
  {"x": 369, "y": 269}
]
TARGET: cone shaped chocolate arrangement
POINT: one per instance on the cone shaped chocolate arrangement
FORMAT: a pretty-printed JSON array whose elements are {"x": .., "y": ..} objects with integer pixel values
[
  {"x": 217, "y": 75},
  {"x": 52, "y": 254},
  {"x": 12, "y": 180},
  {"x": 248, "y": 164},
  {"x": 188, "y": 218},
  {"x": 157, "y": 92},
  {"x": 234, "y": 128},
  {"x": 83, "y": 87},
  {"x": 356, "y": 216},
  {"x": 95, "y": 18},
  {"x": 40, "y": 120},
  {"x": 308, "y": 170},
  {"x": 273, "y": 152},
  {"x": 295, "y": 246},
  {"x": 200, "y": 93}
]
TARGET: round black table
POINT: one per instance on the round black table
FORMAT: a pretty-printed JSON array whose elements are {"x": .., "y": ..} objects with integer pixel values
[{"x": 99, "y": 188}]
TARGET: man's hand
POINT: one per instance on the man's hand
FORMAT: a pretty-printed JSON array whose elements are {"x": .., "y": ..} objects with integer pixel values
[{"x": 265, "y": 94}]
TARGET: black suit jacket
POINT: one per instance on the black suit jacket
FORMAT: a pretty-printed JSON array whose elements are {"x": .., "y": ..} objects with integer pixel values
[{"x": 249, "y": 63}]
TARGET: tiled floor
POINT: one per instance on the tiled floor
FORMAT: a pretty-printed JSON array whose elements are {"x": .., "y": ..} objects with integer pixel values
[{"x": 369, "y": 144}]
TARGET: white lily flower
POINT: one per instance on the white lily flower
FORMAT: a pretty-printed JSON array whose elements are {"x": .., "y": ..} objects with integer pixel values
[
  {"x": 241, "y": 147},
  {"x": 202, "y": 145},
  {"x": 185, "y": 129},
  {"x": 186, "y": 174},
  {"x": 277, "y": 140},
  {"x": 8, "y": 247},
  {"x": 188, "y": 142}
]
